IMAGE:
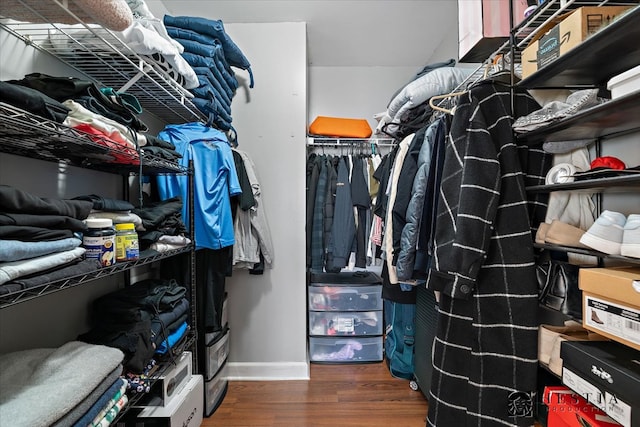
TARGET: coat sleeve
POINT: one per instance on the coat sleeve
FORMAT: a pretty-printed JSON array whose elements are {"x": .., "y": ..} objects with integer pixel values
[
  {"x": 468, "y": 204},
  {"x": 409, "y": 238}
]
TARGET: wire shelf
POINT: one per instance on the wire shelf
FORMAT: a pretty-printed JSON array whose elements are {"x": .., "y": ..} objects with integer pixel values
[
  {"x": 25, "y": 134},
  {"x": 98, "y": 53},
  {"x": 23, "y": 295},
  {"x": 339, "y": 142},
  {"x": 552, "y": 9},
  {"x": 523, "y": 34}
]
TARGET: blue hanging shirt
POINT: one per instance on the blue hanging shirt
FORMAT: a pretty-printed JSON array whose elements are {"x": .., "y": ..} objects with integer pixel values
[{"x": 214, "y": 177}]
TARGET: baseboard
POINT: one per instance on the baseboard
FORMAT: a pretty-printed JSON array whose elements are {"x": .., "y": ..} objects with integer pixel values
[{"x": 274, "y": 371}]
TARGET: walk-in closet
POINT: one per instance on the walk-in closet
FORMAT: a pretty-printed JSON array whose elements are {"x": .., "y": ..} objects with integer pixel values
[{"x": 312, "y": 213}]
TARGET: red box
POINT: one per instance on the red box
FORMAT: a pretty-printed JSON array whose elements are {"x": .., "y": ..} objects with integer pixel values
[{"x": 568, "y": 409}]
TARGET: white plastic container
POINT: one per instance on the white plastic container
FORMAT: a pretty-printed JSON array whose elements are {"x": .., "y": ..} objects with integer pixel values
[{"x": 625, "y": 83}]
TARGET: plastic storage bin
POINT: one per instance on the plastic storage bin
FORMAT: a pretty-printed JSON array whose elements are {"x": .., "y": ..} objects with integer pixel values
[
  {"x": 216, "y": 354},
  {"x": 345, "y": 350},
  {"x": 326, "y": 323},
  {"x": 344, "y": 297},
  {"x": 215, "y": 390},
  {"x": 625, "y": 83}
]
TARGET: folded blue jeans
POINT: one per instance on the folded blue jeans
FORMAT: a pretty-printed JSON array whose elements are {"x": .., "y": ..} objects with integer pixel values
[{"x": 15, "y": 250}]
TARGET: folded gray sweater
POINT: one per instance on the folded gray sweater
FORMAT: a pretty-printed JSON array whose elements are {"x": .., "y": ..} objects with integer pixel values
[{"x": 39, "y": 386}]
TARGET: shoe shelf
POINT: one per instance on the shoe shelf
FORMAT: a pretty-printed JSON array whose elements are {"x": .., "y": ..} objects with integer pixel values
[
  {"x": 612, "y": 118},
  {"x": 16, "y": 297},
  {"x": 99, "y": 54},
  {"x": 607, "y": 53},
  {"x": 28, "y": 135},
  {"x": 584, "y": 251},
  {"x": 617, "y": 184}
]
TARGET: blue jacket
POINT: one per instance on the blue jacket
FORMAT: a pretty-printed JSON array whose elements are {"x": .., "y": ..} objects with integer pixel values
[{"x": 215, "y": 29}]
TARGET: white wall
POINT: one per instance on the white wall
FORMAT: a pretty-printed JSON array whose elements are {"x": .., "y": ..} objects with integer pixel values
[
  {"x": 354, "y": 92},
  {"x": 267, "y": 314}
]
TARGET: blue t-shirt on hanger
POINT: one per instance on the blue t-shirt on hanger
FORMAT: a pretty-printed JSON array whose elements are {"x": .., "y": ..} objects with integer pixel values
[{"x": 214, "y": 177}]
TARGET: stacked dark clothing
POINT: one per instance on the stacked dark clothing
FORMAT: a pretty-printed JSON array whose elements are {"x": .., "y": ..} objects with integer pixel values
[
  {"x": 38, "y": 244},
  {"x": 48, "y": 96},
  {"x": 139, "y": 319},
  {"x": 160, "y": 148},
  {"x": 120, "y": 107},
  {"x": 163, "y": 218},
  {"x": 32, "y": 100}
]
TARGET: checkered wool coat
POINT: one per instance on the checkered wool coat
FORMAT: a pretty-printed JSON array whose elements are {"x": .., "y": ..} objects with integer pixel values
[{"x": 485, "y": 352}]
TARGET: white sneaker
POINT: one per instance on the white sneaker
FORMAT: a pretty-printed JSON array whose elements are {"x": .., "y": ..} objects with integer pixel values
[
  {"x": 605, "y": 235},
  {"x": 631, "y": 237}
]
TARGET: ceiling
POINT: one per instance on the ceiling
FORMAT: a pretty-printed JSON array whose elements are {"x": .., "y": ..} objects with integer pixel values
[{"x": 345, "y": 33}]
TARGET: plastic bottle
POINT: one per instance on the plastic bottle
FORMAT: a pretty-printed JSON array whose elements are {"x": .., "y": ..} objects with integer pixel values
[
  {"x": 100, "y": 241},
  {"x": 127, "y": 248}
]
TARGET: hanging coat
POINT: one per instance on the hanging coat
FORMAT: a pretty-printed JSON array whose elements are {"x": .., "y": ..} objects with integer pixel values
[{"x": 485, "y": 351}]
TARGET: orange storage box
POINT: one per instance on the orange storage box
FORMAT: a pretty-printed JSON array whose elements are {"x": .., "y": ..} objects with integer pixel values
[{"x": 338, "y": 127}]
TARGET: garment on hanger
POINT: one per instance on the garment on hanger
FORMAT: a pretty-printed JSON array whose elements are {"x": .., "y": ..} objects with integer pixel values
[
  {"x": 343, "y": 230},
  {"x": 317, "y": 225},
  {"x": 387, "y": 241},
  {"x": 406, "y": 267},
  {"x": 215, "y": 181},
  {"x": 252, "y": 235},
  {"x": 485, "y": 352},
  {"x": 362, "y": 205}
]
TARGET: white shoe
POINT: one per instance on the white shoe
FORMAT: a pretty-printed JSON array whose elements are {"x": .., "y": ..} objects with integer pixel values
[
  {"x": 605, "y": 235},
  {"x": 631, "y": 237}
]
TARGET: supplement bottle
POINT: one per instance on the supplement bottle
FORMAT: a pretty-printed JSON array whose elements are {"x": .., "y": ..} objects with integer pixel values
[
  {"x": 100, "y": 241},
  {"x": 126, "y": 242}
]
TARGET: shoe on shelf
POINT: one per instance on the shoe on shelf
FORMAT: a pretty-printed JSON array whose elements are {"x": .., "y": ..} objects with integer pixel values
[
  {"x": 631, "y": 237},
  {"x": 605, "y": 235}
]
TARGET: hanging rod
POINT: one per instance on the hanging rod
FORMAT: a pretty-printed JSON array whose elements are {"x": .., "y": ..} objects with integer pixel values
[{"x": 343, "y": 142}]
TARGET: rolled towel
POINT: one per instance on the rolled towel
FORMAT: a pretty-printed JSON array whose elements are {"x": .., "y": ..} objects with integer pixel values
[{"x": 561, "y": 173}]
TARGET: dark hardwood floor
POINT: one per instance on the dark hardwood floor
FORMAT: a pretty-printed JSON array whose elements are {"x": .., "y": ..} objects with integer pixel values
[{"x": 336, "y": 396}]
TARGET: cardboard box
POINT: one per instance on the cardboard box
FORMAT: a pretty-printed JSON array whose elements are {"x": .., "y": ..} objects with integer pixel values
[
  {"x": 564, "y": 33},
  {"x": 611, "y": 303},
  {"x": 615, "y": 284},
  {"x": 607, "y": 374},
  {"x": 567, "y": 409},
  {"x": 186, "y": 410},
  {"x": 170, "y": 383}
]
